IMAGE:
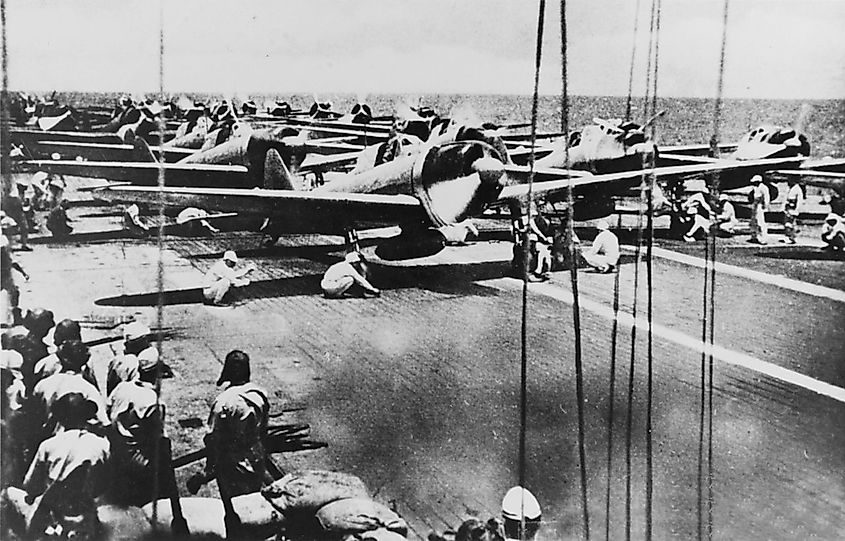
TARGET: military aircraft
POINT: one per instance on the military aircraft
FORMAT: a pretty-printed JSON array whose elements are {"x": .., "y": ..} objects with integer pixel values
[{"x": 440, "y": 186}]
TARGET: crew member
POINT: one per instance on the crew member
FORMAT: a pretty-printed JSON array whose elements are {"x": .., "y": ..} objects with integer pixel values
[
  {"x": 58, "y": 222},
  {"x": 698, "y": 213},
  {"x": 603, "y": 255},
  {"x": 68, "y": 472},
  {"x": 760, "y": 200},
  {"x": 222, "y": 276},
  {"x": 726, "y": 219},
  {"x": 833, "y": 232},
  {"x": 791, "y": 210},
  {"x": 196, "y": 221},
  {"x": 14, "y": 208},
  {"x": 132, "y": 221},
  {"x": 520, "y": 507},
  {"x": 73, "y": 355},
  {"x": 66, "y": 329},
  {"x": 106, "y": 372},
  {"x": 348, "y": 278},
  {"x": 537, "y": 230},
  {"x": 38, "y": 322},
  {"x": 137, "y": 429},
  {"x": 9, "y": 291},
  {"x": 238, "y": 425}
]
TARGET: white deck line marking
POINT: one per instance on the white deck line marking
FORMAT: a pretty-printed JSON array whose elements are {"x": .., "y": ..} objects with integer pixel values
[
  {"x": 721, "y": 353},
  {"x": 780, "y": 281}
]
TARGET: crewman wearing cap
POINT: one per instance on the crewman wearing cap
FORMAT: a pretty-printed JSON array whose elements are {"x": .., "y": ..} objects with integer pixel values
[
  {"x": 66, "y": 329},
  {"x": 520, "y": 509},
  {"x": 238, "y": 425},
  {"x": 137, "y": 433},
  {"x": 792, "y": 209},
  {"x": 760, "y": 201},
  {"x": 38, "y": 322},
  {"x": 14, "y": 207},
  {"x": 697, "y": 211},
  {"x": 13, "y": 435},
  {"x": 726, "y": 219},
  {"x": 106, "y": 372},
  {"x": 68, "y": 472},
  {"x": 40, "y": 184},
  {"x": 833, "y": 232},
  {"x": 73, "y": 355},
  {"x": 348, "y": 278},
  {"x": 224, "y": 275},
  {"x": 603, "y": 255}
]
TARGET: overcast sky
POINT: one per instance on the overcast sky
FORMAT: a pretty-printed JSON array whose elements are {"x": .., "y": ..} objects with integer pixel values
[{"x": 776, "y": 48}]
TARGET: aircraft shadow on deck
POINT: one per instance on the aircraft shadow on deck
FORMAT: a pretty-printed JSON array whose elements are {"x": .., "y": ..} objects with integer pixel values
[
  {"x": 450, "y": 279},
  {"x": 79, "y": 238},
  {"x": 802, "y": 253}
]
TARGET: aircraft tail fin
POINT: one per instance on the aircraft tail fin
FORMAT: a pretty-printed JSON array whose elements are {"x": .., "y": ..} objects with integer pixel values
[
  {"x": 141, "y": 151},
  {"x": 277, "y": 176}
]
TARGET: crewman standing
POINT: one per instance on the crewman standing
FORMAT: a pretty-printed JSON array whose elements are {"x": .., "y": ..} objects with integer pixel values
[
  {"x": 760, "y": 201},
  {"x": 791, "y": 210},
  {"x": 137, "y": 424}
]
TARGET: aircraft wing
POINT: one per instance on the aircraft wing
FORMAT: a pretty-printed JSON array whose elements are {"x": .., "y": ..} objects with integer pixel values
[
  {"x": 618, "y": 182},
  {"x": 306, "y": 212},
  {"x": 325, "y": 163},
  {"x": 146, "y": 174}
]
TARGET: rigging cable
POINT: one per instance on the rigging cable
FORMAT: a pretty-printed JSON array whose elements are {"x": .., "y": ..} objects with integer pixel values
[
  {"x": 650, "y": 284},
  {"x": 523, "y": 402},
  {"x": 573, "y": 274},
  {"x": 633, "y": 58},
  {"x": 613, "y": 339},
  {"x": 159, "y": 271},
  {"x": 714, "y": 145}
]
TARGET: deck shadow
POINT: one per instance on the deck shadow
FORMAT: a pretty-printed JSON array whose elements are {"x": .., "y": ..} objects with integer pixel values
[
  {"x": 802, "y": 253},
  {"x": 281, "y": 287}
]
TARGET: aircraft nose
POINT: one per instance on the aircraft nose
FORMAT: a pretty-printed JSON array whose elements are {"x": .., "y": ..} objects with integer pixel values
[{"x": 490, "y": 170}]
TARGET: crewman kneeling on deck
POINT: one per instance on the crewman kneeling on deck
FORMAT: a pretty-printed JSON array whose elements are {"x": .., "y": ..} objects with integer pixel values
[
  {"x": 238, "y": 423},
  {"x": 348, "y": 278},
  {"x": 603, "y": 255},
  {"x": 833, "y": 232},
  {"x": 58, "y": 222},
  {"x": 68, "y": 472},
  {"x": 698, "y": 213},
  {"x": 132, "y": 221},
  {"x": 726, "y": 219},
  {"x": 222, "y": 276}
]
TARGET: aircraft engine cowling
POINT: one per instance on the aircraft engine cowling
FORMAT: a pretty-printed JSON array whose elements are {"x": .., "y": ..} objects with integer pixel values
[{"x": 458, "y": 180}]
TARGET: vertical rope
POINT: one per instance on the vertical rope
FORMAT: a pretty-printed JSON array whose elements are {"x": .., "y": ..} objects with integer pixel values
[
  {"x": 573, "y": 274},
  {"x": 631, "y": 366},
  {"x": 717, "y": 117},
  {"x": 160, "y": 265},
  {"x": 633, "y": 58},
  {"x": 613, "y": 338},
  {"x": 523, "y": 402},
  {"x": 649, "y": 498},
  {"x": 646, "y": 101},
  {"x": 5, "y": 163}
]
